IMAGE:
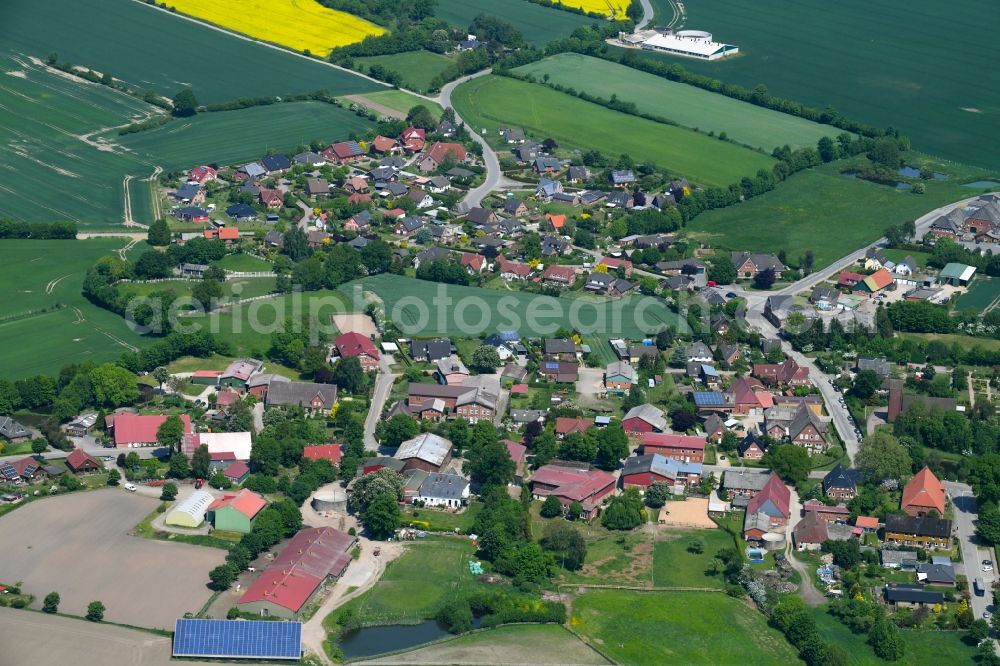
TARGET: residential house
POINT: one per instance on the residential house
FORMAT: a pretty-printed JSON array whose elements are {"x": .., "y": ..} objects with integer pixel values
[
  {"x": 875, "y": 283},
  {"x": 355, "y": 345},
  {"x": 699, "y": 352},
  {"x": 739, "y": 485},
  {"x": 921, "y": 532},
  {"x": 430, "y": 255},
  {"x": 408, "y": 226},
  {"x": 812, "y": 531},
  {"x": 749, "y": 264},
  {"x": 923, "y": 494},
  {"x": 840, "y": 483},
  {"x": 344, "y": 152},
  {"x": 513, "y": 270},
  {"x": 514, "y": 206},
  {"x": 81, "y": 462},
  {"x": 193, "y": 214},
  {"x": 542, "y": 164},
  {"x": 645, "y": 470},
  {"x": 451, "y": 371},
  {"x": 786, "y": 373},
  {"x": 619, "y": 199},
  {"x": 875, "y": 259},
  {"x": 561, "y": 372},
  {"x": 430, "y": 351},
  {"x": 439, "y": 153},
  {"x": 413, "y": 139},
  {"x": 331, "y": 452},
  {"x": 644, "y": 418},
  {"x": 317, "y": 187},
  {"x": 568, "y": 485},
  {"x": 241, "y": 213},
  {"x": 622, "y": 178},
  {"x": 190, "y": 193},
  {"x": 592, "y": 197},
  {"x": 715, "y": 428},
  {"x": 566, "y": 426},
  {"x": 272, "y": 199},
  {"x": 512, "y": 134},
  {"x": 599, "y": 282},
  {"x": 201, "y": 174},
  {"x": 317, "y": 238},
  {"x": 559, "y": 276},
  {"x": 620, "y": 288},
  {"x": 799, "y": 426},
  {"x": 899, "y": 402},
  {"x": 520, "y": 417},
  {"x": 906, "y": 267},
  {"x": 384, "y": 145},
  {"x": 881, "y": 366},
  {"x": 578, "y": 174},
  {"x": 309, "y": 159},
  {"x": 252, "y": 171},
  {"x": 899, "y": 559},
  {"x": 768, "y": 509},
  {"x": 933, "y": 573},
  {"x": 527, "y": 152},
  {"x": 547, "y": 188},
  {"x": 359, "y": 223},
  {"x": 23, "y": 470},
  {"x": 559, "y": 349},
  {"x": 12, "y": 431},
  {"x": 446, "y": 128},
  {"x": 824, "y": 297},
  {"x": 687, "y": 448},
  {"x": 426, "y": 451},
  {"x": 315, "y": 399},
  {"x": 751, "y": 447},
  {"x": 480, "y": 215},
  {"x": 612, "y": 264},
  {"x": 444, "y": 490},
  {"x": 849, "y": 280},
  {"x": 911, "y": 596},
  {"x": 619, "y": 377},
  {"x": 473, "y": 263}
]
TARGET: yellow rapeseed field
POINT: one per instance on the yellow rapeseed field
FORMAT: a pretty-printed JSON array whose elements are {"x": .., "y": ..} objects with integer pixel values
[
  {"x": 297, "y": 24},
  {"x": 606, "y": 7}
]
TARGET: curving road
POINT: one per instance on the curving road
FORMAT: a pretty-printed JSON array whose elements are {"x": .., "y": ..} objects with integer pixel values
[
  {"x": 647, "y": 15},
  {"x": 494, "y": 176}
]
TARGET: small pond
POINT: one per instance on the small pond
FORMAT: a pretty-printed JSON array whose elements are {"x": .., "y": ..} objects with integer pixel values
[
  {"x": 371, "y": 641},
  {"x": 909, "y": 172},
  {"x": 982, "y": 184}
]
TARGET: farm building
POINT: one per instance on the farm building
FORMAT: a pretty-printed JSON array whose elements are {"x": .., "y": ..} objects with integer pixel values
[
  {"x": 13, "y": 431},
  {"x": 312, "y": 556},
  {"x": 313, "y": 398},
  {"x": 81, "y": 425},
  {"x": 645, "y": 470},
  {"x": 426, "y": 451},
  {"x": 239, "y": 372},
  {"x": 686, "y": 448},
  {"x": 190, "y": 512},
  {"x": 133, "y": 431},
  {"x": 358, "y": 346},
  {"x": 958, "y": 275},
  {"x": 331, "y": 452},
  {"x": 236, "y": 513},
  {"x": 569, "y": 484},
  {"x": 236, "y": 443},
  {"x": 81, "y": 462},
  {"x": 644, "y": 418},
  {"x": 690, "y": 44}
]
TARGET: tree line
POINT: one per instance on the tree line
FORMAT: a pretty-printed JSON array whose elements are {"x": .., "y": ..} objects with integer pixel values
[{"x": 38, "y": 230}]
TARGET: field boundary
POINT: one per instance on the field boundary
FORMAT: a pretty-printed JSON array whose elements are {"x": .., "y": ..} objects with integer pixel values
[{"x": 253, "y": 40}]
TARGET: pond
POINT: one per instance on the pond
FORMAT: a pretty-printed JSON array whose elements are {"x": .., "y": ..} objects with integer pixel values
[
  {"x": 909, "y": 172},
  {"x": 981, "y": 184},
  {"x": 370, "y": 641}
]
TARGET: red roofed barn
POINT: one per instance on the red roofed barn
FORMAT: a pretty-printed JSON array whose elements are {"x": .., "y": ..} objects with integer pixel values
[
  {"x": 133, "y": 431},
  {"x": 355, "y": 345}
]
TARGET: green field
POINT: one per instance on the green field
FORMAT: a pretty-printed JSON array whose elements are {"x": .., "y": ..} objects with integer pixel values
[
  {"x": 492, "y": 101},
  {"x": 819, "y": 210},
  {"x": 538, "y": 24},
  {"x": 37, "y": 341},
  {"x": 152, "y": 49},
  {"x": 489, "y": 310},
  {"x": 923, "y": 647},
  {"x": 686, "y": 105},
  {"x": 242, "y": 288},
  {"x": 678, "y": 628},
  {"x": 886, "y": 63},
  {"x": 899, "y": 255},
  {"x": 245, "y": 263},
  {"x": 399, "y": 101},
  {"x": 418, "y": 68},
  {"x": 981, "y": 296},
  {"x": 227, "y": 137},
  {"x": 967, "y": 341},
  {"x": 675, "y": 566},
  {"x": 414, "y": 586}
]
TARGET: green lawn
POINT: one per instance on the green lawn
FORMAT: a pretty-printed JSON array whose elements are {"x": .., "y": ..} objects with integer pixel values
[
  {"x": 491, "y": 101},
  {"x": 400, "y": 101},
  {"x": 538, "y": 24},
  {"x": 473, "y": 311},
  {"x": 823, "y": 211},
  {"x": 436, "y": 520},
  {"x": 227, "y": 137},
  {"x": 600, "y": 349},
  {"x": 923, "y": 647},
  {"x": 887, "y": 64},
  {"x": 899, "y": 255},
  {"x": 152, "y": 49},
  {"x": 686, "y": 105},
  {"x": 678, "y": 628},
  {"x": 675, "y": 566},
  {"x": 418, "y": 68},
  {"x": 232, "y": 289},
  {"x": 414, "y": 586},
  {"x": 41, "y": 332},
  {"x": 966, "y": 341},
  {"x": 982, "y": 295},
  {"x": 243, "y": 263}
]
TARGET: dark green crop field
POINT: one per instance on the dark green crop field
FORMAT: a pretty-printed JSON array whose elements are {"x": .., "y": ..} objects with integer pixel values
[
  {"x": 152, "y": 49},
  {"x": 926, "y": 68},
  {"x": 538, "y": 24}
]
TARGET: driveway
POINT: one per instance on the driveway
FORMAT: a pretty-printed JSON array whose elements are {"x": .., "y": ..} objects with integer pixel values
[
  {"x": 807, "y": 589},
  {"x": 383, "y": 385}
]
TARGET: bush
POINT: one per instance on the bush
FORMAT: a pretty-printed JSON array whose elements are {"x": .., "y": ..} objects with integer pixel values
[
  {"x": 51, "y": 603},
  {"x": 95, "y": 611},
  {"x": 18, "y": 603},
  {"x": 455, "y": 616},
  {"x": 551, "y": 507}
]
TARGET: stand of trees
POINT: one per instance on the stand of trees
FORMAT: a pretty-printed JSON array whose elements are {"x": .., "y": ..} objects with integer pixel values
[{"x": 38, "y": 230}]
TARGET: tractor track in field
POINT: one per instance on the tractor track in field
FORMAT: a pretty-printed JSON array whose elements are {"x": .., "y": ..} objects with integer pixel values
[{"x": 52, "y": 283}]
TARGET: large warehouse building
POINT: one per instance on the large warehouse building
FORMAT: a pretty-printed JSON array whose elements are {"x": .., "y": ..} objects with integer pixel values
[
  {"x": 190, "y": 512},
  {"x": 313, "y": 555},
  {"x": 688, "y": 43}
]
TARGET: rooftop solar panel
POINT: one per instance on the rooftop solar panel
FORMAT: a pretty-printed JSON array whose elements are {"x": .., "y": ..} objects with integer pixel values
[
  {"x": 708, "y": 398},
  {"x": 237, "y": 639}
]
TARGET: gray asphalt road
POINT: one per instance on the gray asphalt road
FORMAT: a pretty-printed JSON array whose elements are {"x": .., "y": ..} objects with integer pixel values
[
  {"x": 493, "y": 173},
  {"x": 972, "y": 554},
  {"x": 647, "y": 15}
]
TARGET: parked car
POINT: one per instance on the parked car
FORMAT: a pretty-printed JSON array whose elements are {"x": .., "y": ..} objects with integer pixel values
[
  {"x": 987, "y": 565},
  {"x": 130, "y": 487}
]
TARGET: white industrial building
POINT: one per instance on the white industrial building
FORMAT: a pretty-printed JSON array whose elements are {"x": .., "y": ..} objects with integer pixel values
[
  {"x": 688, "y": 43},
  {"x": 190, "y": 512}
]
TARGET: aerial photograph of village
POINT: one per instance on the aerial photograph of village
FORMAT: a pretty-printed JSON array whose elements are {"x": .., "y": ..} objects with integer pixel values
[{"x": 499, "y": 332}]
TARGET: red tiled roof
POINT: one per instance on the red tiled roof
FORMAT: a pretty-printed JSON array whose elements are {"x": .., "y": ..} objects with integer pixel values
[
  {"x": 439, "y": 152},
  {"x": 515, "y": 450},
  {"x": 515, "y": 267},
  {"x": 355, "y": 344},
  {"x": 519, "y": 389},
  {"x": 344, "y": 149},
  {"x": 78, "y": 457},
  {"x": 222, "y": 456},
  {"x": 359, "y": 198},
  {"x": 383, "y": 143},
  {"x": 563, "y": 272},
  {"x": 413, "y": 133},
  {"x": 613, "y": 263},
  {"x": 246, "y": 502},
  {"x": 774, "y": 490},
  {"x": 867, "y": 522},
  {"x": 212, "y": 374},
  {"x": 329, "y": 452},
  {"x": 301, "y": 567},
  {"x": 226, "y": 397},
  {"x": 136, "y": 428},
  {"x": 558, "y": 221},
  {"x": 847, "y": 278},
  {"x": 668, "y": 441},
  {"x": 924, "y": 491},
  {"x": 571, "y": 483},
  {"x": 229, "y": 233},
  {"x": 237, "y": 471},
  {"x": 566, "y": 425},
  {"x": 476, "y": 261}
]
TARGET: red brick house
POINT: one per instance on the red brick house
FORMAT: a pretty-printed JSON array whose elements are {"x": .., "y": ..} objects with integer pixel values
[
  {"x": 612, "y": 264},
  {"x": 647, "y": 469},
  {"x": 679, "y": 447},
  {"x": 413, "y": 139},
  {"x": 561, "y": 276},
  {"x": 923, "y": 494},
  {"x": 569, "y": 485},
  {"x": 344, "y": 152},
  {"x": 81, "y": 462},
  {"x": 439, "y": 153},
  {"x": 358, "y": 346},
  {"x": 271, "y": 198},
  {"x": 644, "y": 418},
  {"x": 786, "y": 373}
]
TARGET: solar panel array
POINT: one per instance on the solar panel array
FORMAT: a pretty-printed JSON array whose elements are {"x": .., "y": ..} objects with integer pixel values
[
  {"x": 8, "y": 472},
  {"x": 706, "y": 399},
  {"x": 238, "y": 638}
]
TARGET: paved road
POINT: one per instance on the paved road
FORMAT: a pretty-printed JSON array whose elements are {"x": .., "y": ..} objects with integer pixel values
[
  {"x": 383, "y": 384},
  {"x": 647, "y": 15},
  {"x": 494, "y": 177},
  {"x": 972, "y": 554}
]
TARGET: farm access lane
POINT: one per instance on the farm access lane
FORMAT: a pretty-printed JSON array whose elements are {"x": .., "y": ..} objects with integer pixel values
[{"x": 383, "y": 384}]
